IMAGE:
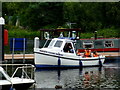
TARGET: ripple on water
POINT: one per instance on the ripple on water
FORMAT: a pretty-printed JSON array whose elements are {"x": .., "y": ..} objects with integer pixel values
[{"x": 107, "y": 77}]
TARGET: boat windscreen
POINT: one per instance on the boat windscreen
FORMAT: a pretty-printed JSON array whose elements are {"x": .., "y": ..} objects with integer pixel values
[
  {"x": 58, "y": 43},
  {"x": 51, "y": 43}
]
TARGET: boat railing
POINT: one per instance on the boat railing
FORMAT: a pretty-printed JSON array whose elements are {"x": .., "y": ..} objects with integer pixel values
[
  {"x": 20, "y": 70},
  {"x": 45, "y": 43}
]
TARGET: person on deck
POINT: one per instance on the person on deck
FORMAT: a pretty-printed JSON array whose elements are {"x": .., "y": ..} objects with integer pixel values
[
  {"x": 87, "y": 53},
  {"x": 78, "y": 53},
  {"x": 70, "y": 49},
  {"x": 95, "y": 54}
]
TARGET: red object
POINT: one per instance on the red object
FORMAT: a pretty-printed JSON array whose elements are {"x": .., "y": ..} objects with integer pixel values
[
  {"x": 5, "y": 37},
  {"x": 101, "y": 50}
]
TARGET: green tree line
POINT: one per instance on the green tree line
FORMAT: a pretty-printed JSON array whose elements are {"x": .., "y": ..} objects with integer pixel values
[{"x": 89, "y": 16}]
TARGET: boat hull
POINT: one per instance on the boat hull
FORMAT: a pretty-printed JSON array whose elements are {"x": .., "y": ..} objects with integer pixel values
[
  {"x": 43, "y": 60},
  {"x": 21, "y": 83},
  {"x": 5, "y": 87},
  {"x": 24, "y": 86},
  {"x": 18, "y": 86}
]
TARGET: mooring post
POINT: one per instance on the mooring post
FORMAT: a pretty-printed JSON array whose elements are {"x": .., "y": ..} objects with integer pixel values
[
  {"x": 100, "y": 62},
  {"x": 95, "y": 35},
  {"x": 59, "y": 61},
  {"x": 24, "y": 48},
  {"x": 2, "y": 22},
  {"x": 80, "y": 63},
  {"x": 13, "y": 50}
]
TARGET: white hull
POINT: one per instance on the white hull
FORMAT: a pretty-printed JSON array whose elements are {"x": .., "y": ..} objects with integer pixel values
[
  {"x": 62, "y": 53},
  {"x": 48, "y": 60}
]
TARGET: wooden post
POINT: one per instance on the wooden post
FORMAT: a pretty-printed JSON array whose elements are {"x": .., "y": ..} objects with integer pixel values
[
  {"x": 2, "y": 22},
  {"x": 95, "y": 35}
]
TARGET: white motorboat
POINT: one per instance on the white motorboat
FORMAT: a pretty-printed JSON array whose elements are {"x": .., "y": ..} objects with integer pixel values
[
  {"x": 17, "y": 83},
  {"x": 56, "y": 55}
]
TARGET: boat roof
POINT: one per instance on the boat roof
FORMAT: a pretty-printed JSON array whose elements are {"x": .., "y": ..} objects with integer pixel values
[{"x": 66, "y": 39}]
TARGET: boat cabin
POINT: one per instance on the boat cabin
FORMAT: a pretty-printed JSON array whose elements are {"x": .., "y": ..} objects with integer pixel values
[{"x": 62, "y": 45}]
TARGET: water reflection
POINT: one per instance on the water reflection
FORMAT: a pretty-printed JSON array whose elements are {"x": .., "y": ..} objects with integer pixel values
[{"x": 88, "y": 77}]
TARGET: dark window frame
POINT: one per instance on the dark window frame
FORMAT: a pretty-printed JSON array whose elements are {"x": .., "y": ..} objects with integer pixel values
[{"x": 108, "y": 43}]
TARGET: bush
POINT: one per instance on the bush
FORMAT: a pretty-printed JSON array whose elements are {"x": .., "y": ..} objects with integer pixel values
[
  {"x": 105, "y": 33},
  {"x": 15, "y": 32}
]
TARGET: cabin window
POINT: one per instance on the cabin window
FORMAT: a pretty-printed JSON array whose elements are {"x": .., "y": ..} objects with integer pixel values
[
  {"x": 88, "y": 44},
  {"x": 109, "y": 44},
  {"x": 51, "y": 43},
  {"x": 58, "y": 43}
]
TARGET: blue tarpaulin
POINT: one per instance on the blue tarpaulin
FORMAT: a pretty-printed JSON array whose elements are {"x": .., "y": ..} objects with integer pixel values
[{"x": 18, "y": 44}]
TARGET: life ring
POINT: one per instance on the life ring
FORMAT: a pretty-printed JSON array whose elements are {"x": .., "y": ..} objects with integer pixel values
[{"x": 46, "y": 35}]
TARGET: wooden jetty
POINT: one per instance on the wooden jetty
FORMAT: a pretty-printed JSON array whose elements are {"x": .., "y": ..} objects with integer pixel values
[
  {"x": 110, "y": 54},
  {"x": 31, "y": 56},
  {"x": 18, "y": 56}
]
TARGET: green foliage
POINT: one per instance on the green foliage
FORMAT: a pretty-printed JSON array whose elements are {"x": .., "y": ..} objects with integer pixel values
[
  {"x": 86, "y": 35},
  {"x": 93, "y": 16},
  {"x": 105, "y": 33},
  {"x": 108, "y": 33},
  {"x": 46, "y": 15},
  {"x": 15, "y": 32}
]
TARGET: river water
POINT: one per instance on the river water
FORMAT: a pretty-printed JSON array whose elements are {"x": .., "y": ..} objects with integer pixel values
[{"x": 107, "y": 76}]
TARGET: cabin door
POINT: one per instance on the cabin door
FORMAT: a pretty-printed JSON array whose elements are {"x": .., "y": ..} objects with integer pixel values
[{"x": 68, "y": 48}]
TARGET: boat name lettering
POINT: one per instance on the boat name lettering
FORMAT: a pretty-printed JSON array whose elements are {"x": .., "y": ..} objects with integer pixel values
[{"x": 51, "y": 52}]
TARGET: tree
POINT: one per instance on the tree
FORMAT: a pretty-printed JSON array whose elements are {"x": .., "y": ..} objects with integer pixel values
[
  {"x": 42, "y": 14},
  {"x": 35, "y": 15},
  {"x": 87, "y": 16}
]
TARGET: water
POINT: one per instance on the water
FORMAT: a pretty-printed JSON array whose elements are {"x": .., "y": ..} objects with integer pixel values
[{"x": 107, "y": 76}]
